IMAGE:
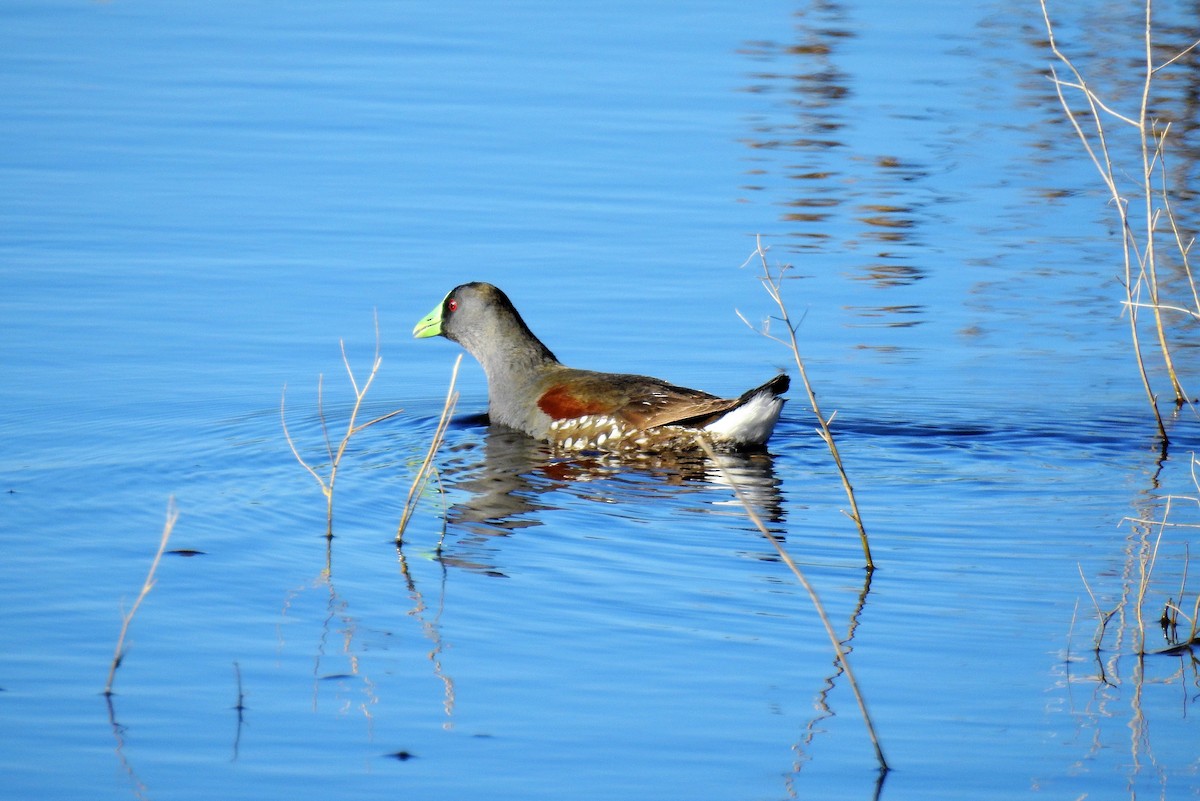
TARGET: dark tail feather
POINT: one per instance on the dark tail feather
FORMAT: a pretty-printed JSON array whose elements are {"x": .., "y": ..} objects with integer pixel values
[{"x": 776, "y": 387}]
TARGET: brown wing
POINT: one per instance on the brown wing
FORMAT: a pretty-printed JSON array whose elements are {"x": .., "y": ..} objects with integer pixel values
[
  {"x": 684, "y": 410},
  {"x": 563, "y": 401},
  {"x": 639, "y": 401}
]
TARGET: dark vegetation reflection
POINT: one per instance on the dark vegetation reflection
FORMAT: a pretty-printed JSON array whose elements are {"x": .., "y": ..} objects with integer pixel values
[{"x": 801, "y": 162}]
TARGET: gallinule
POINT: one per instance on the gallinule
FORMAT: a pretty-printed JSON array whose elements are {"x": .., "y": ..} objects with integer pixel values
[{"x": 531, "y": 391}]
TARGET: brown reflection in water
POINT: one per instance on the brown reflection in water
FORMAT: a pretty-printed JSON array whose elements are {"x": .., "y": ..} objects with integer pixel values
[
  {"x": 895, "y": 316},
  {"x": 804, "y": 128},
  {"x": 888, "y": 275},
  {"x": 829, "y": 197}
]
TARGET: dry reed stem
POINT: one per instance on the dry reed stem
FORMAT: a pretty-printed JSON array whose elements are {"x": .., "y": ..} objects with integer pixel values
[
  {"x": 773, "y": 283},
  {"x": 1103, "y": 163},
  {"x": 1196, "y": 610},
  {"x": 812, "y": 594},
  {"x": 1187, "y": 558},
  {"x": 1195, "y": 621},
  {"x": 1152, "y": 147},
  {"x": 1145, "y": 571},
  {"x": 147, "y": 585},
  {"x": 1103, "y": 616},
  {"x": 335, "y": 458},
  {"x": 1184, "y": 248},
  {"x": 1150, "y": 157},
  {"x": 427, "y": 467}
]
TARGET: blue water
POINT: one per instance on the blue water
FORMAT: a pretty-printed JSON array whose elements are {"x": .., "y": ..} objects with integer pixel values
[{"x": 198, "y": 203}]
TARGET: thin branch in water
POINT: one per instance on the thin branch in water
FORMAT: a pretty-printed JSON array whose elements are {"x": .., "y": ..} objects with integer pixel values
[
  {"x": 1150, "y": 161},
  {"x": 773, "y": 283},
  {"x": 1177, "y": 56},
  {"x": 1195, "y": 621},
  {"x": 352, "y": 426},
  {"x": 1144, "y": 256},
  {"x": 147, "y": 585},
  {"x": 1166, "y": 307},
  {"x": 1187, "y": 558},
  {"x": 427, "y": 466},
  {"x": 1103, "y": 616},
  {"x": 812, "y": 594},
  {"x": 292, "y": 444}
]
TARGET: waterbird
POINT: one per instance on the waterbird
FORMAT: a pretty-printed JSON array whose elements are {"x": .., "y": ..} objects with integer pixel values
[{"x": 530, "y": 390}]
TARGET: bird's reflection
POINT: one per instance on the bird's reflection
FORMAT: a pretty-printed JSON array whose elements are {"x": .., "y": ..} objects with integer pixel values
[{"x": 510, "y": 481}]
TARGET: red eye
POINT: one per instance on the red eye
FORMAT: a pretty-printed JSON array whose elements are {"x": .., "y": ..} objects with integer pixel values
[{"x": 452, "y": 305}]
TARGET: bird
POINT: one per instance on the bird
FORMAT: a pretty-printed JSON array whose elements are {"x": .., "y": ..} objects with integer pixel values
[{"x": 531, "y": 391}]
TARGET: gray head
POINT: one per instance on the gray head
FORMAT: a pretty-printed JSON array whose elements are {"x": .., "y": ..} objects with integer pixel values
[{"x": 483, "y": 320}]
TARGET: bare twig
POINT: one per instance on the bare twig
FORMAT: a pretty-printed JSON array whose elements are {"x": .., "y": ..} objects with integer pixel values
[
  {"x": 1168, "y": 307},
  {"x": 773, "y": 283},
  {"x": 427, "y": 467},
  {"x": 147, "y": 585},
  {"x": 1140, "y": 249},
  {"x": 812, "y": 594},
  {"x": 1187, "y": 558},
  {"x": 1185, "y": 251},
  {"x": 1149, "y": 165},
  {"x": 1103, "y": 616},
  {"x": 1178, "y": 56},
  {"x": 352, "y": 427}
]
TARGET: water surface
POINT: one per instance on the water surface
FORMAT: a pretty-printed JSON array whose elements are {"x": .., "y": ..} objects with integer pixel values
[{"x": 199, "y": 203}]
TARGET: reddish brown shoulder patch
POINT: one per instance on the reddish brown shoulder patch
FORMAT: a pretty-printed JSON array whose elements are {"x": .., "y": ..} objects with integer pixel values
[{"x": 561, "y": 403}]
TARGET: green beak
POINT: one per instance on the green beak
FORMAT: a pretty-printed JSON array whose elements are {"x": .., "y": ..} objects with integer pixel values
[{"x": 430, "y": 325}]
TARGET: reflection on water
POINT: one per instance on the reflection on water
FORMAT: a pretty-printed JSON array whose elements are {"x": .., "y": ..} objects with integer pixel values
[
  {"x": 501, "y": 495},
  {"x": 868, "y": 205},
  {"x": 1128, "y": 660},
  {"x": 512, "y": 484},
  {"x": 806, "y": 130},
  {"x": 833, "y": 195}
]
